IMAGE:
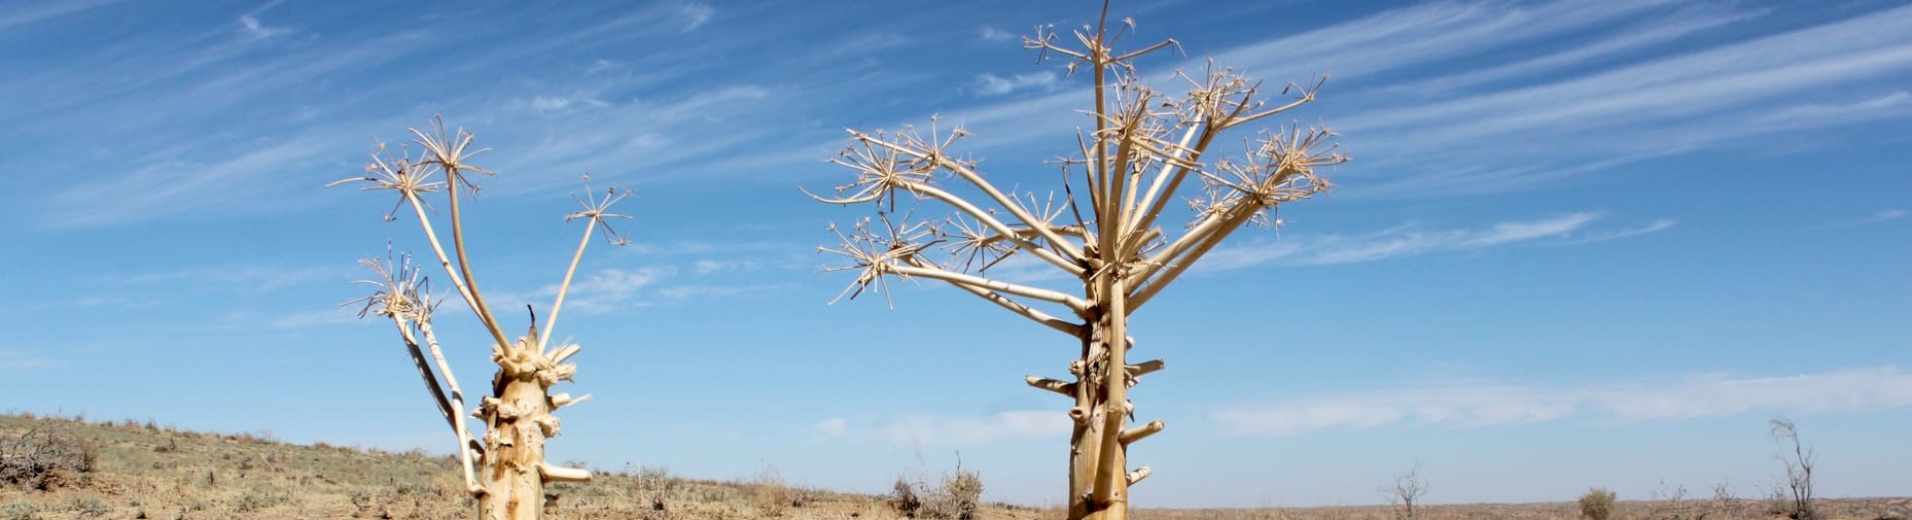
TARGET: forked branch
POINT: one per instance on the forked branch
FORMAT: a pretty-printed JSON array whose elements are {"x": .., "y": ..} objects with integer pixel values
[
  {"x": 403, "y": 295},
  {"x": 595, "y": 212}
]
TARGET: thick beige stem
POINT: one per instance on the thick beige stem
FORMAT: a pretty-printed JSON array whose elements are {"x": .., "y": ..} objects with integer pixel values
[
  {"x": 1111, "y": 488},
  {"x": 518, "y": 421},
  {"x": 1098, "y": 483},
  {"x": 514, "y": 443}
]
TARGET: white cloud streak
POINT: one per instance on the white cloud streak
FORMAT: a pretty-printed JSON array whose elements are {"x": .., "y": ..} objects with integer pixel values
[
  {"x": 49, "y": 11},
  {"x": 16, "y": 362},
  {"x": 257, "y": 29},
  {"x": 950, "y": 430},
  {"x": 685, "y": 292},
  {"x": 1630, "y": 80},
  {"x": 340, "y": 315},
  {"x": 695, "y": 15},
  {"x": 1602, "y": 236},
  {"x": 252, "y": 278},
  {"x": 1423, "y": 33},
  {"x": 995, "y": 34},
  {"x": 1410, "y": 240},
  {"x": 1712, "y": 97},
  {"x": 609, "y": 290},
  {"x": 993, "y": 85},
  {"x": 1682, "y": 24},
  {"x": 1484, "y": 405},
  {"x": 1884, "y": 215}
]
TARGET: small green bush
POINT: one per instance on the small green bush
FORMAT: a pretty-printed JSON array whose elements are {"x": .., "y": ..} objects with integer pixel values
[
  {"x": 256, "y": 499},
  {"x": 1597, "y": 504}
]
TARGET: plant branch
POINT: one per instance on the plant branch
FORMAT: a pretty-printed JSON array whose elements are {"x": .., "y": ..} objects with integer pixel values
[
  {"x": 1057, "y": 386},
  {"x": 551, "y": 322},
  {"x": 464, "y": 264},
  {"x": 1183, "y": 254},
  {"x": 418, "y": 207},
  {"x": 936, "y": 273},
  {"x": 458, "y": 406},
  {"x": 998, "y": 226},
  {"x": 1067, "y": 249},
  {"x": 1058, "y": 324}
]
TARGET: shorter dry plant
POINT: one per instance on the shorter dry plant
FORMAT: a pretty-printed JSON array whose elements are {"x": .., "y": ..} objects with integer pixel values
[{"x": 505, "y": 468}]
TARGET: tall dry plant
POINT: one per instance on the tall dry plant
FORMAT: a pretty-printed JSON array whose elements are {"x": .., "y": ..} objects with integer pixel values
[
  {"x": 1145, "y": 147},
  {"x": 1798, "y": 471},
  {"x": 504, "y": 469}
]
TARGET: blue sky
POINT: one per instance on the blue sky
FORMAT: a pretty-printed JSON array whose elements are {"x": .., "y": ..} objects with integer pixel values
[{"x": 1580, "y": 243}]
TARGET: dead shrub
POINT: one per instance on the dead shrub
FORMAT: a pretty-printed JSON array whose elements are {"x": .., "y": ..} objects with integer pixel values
[
  {"x": 904, "y": 500},
  {"x": 770, "y": 493},
  {"x": 46, "y": 457},
  {"x": 958, "y": 497}
]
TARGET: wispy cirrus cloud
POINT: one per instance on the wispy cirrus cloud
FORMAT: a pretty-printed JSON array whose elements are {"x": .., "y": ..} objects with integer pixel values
[
  {"x": 252, "y": 278},
  {"x": 1412, "y": 97},
  {"x": 1608, "y": 115},
  {"x": 948, "y": 430},
  {"x": 257, "y": 29},
  {"x": 712, "y": 291},
  {"x": 1300, "y": 249},
  {"x": 1605, "y": 235},
  {"x": 695, "y": 14},
  {"x": 1409, "y": 36},
  {"x": 12, "y": 361},
  {"x": 98, "y": 301},
  {"x": 1683, "y": 23},
  {"x": 338, "y": 315},
  {"x": 49, "y": 11},
  {"x": 1499, "y": 404},
  {"x": 1884, "y": 215},
  {"x": 990, "y": 33},
  {"x": 993, "y": 85},
  {"x": 609, "y": 290}
]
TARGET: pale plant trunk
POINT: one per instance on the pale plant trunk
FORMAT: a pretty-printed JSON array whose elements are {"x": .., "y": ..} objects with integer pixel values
[
  {"x": 518, "y": 421},
  {"x": 514, "y": 445},
  {"x": 1098, "y": 459}
]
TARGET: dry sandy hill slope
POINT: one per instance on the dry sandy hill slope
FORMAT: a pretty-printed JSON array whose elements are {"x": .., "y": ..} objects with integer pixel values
[{"x": 58, "y": 468}]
